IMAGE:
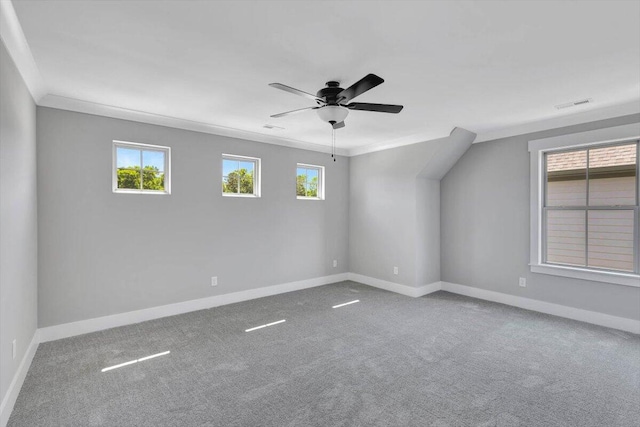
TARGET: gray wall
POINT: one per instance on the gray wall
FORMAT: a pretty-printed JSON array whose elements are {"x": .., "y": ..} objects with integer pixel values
[
  {"x": 394, "y": 215},
  {"x": 103, "y": 253},
  {"x": 18, "y": 219},
  {"x": 427, "y": 231},
  {"x": 485, "y": 228}
]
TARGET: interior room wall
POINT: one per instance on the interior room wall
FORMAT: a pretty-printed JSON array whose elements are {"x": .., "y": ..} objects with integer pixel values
[
  {"x": 393, "y": 202},
  {"x": 18, "y": 220},
  {"x": 485, "y": 228},
  {"x": 105, "y": 253},
  {"x": 427, "y": 241}
]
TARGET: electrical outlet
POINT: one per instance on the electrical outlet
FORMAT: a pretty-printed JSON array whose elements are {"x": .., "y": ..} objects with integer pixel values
[
  {"x": 522, "y": 282},
  {"x": 395, "y": 270},
  {"x": 335, "y": 263},
  {"x": 13, "y": 348},
  {"x": 214, "y": 280}
]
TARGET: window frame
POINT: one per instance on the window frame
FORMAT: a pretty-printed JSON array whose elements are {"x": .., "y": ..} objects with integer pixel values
[
  {"x": 320, "y": 190},
  {"x": 538, "y": 149},
  {"x": 256, "y": 177},
  {"x": 142, "y": 147}
]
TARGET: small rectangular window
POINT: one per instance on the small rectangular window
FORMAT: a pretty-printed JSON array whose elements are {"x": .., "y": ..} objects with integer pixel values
[
  {"x": 591, "y": 208},
  {"x": 141, "y": 168},
  {"x": 310, "y": 182},
  {"x": 240, "y": 176}
]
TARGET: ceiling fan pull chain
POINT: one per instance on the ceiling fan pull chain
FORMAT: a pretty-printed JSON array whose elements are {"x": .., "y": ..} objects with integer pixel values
[{"x": 333, "y": 144}]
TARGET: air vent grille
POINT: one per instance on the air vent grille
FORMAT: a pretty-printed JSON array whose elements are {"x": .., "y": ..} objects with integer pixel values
[
  {"x": 574, "y": 103},
  {"x": 272, "y": 127}
]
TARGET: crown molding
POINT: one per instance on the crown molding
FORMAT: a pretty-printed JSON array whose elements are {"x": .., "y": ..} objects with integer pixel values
[
  {"x": 80, "y": 106},
  {"x": 395, "y": 143},
  {"x": 558, "y": 122},
  {"x": 16, "y": 43}
]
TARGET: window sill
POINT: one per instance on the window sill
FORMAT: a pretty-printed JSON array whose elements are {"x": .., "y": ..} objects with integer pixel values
[
  {"x": 157, "y": 193},
  {"x": 625, "y": 279},
  {"x": 308, "y": 198},
  {"x": 245, "y": 196}
]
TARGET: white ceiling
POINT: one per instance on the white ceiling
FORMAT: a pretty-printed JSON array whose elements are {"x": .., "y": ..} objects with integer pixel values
[{"x": 484, "y": 66}]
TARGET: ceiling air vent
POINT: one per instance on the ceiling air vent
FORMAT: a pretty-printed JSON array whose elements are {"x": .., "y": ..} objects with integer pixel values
[
  {"x": 272, "y": 127},
  {"x": 574, "y": 103}
]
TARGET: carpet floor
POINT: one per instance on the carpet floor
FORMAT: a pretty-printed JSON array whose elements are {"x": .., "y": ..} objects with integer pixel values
[{"x": 389, "y": 360}]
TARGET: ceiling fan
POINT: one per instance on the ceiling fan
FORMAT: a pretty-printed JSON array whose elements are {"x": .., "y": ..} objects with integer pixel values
[{"x": 333, "y": 101}]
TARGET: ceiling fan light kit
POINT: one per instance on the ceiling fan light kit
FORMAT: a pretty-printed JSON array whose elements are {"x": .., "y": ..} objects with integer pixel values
[{"x": 332, "y": 114}]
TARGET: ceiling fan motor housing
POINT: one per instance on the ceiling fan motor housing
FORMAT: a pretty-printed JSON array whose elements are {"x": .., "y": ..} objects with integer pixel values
[{"x": 330, "y": 93}]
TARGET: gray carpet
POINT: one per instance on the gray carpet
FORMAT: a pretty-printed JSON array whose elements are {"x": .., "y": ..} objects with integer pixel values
[{"x": 390, "y": 360}]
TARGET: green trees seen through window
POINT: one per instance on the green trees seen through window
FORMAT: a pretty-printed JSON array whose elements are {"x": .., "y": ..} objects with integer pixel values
[
  {"x": 307, "y": 188},
  {"x": 142, "y": 167},
  {"x": 308, "y": 179},
  {"x": 238, "y": 181},
  {"x": 152, "y": 178}
]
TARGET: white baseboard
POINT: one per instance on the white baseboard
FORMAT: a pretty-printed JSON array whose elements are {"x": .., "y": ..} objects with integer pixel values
[
  {"x": 100, "y": 323},
  {"x": 106, "y": 322},
  {"x": 587, "y": 316},
  {"x": 409, "y": 291},
  {"x": 601, "y": 319},
  {"x": 18, "y": 379},
  {"x": 428, "y": 289}
]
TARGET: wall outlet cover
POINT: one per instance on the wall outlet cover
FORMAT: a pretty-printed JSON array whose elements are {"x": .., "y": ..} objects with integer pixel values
[
  {"x": 214, "y": 280},
  {"x": 522, "y": 282}
]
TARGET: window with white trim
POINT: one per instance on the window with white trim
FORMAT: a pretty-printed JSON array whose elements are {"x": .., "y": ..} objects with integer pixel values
[
  {"x": 309, "y": 182},
  {"x": 590, "y": 207},
  {"x": 585, "y": 206},
  {"x": 141, "y": 168},
  {"x": 240, "y": 176}
]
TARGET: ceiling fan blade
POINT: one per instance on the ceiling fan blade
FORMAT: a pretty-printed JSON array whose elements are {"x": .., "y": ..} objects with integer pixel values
[
  {"x": 286, "y": 113},
  {"x": 381, "y": 108},
  {"x": 339, "y": 125},
  {"x": 296, "y": 92},
  {"x": 361, "y": 86}
]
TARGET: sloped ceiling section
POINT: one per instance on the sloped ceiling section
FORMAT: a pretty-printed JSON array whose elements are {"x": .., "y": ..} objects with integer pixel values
[{"x": 447, "y": 154}]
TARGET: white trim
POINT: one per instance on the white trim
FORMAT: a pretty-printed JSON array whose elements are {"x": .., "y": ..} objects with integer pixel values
[
  {"x": 142, "y": 148},
  {"x": 97, "y": 324},
  {"x": 428, "y": 289},
  {"x": 537, "y": 149},
  {"x": 395, "y": 143},
  {"x": 410, "y": 291},
  {"x": 11, "y": 396},
  {"x": 14, "y": 39},
  {"x": 88, "y": 107},
  {"x": 103, "y": 110},
  {"x": 562, "y": 121},
  {"x": 320, "y": 189},
  {"x": 587, "y": 274},
  {"x": 257, "y": 177},
  {"x": 585, "y": 139},
  {"x": 18, "y": 48},
  {"x": 100, "y": 323},
  {"x": 601, "y": 319}
]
